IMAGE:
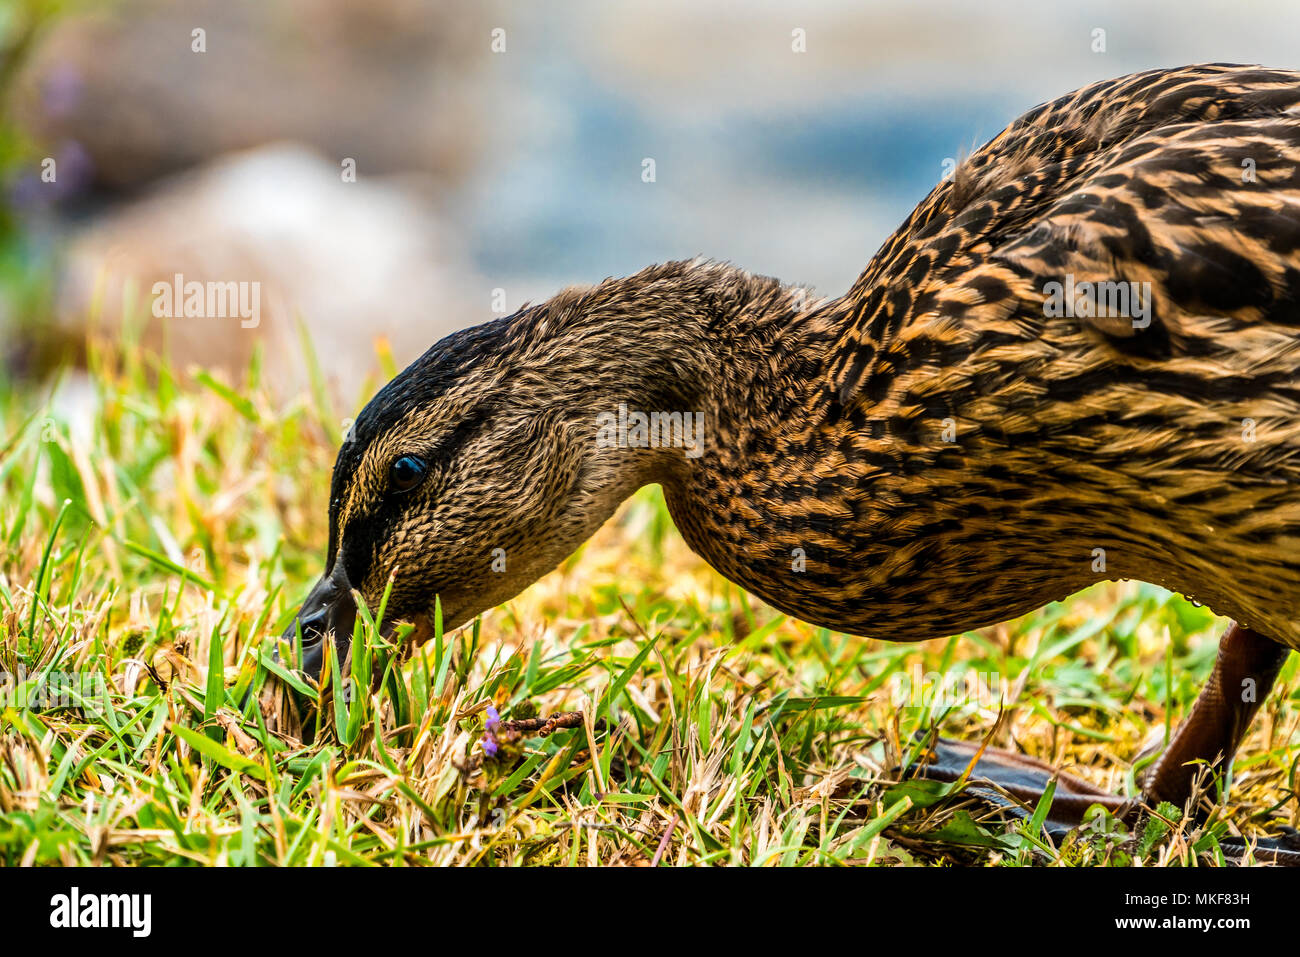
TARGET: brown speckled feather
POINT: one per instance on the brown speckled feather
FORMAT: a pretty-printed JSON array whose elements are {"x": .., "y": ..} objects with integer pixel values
[{"x": 1175, "y": 448}]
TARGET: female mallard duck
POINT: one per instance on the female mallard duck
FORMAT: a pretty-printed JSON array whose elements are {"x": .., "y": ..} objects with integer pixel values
[{"x": 1078, "y": 359}]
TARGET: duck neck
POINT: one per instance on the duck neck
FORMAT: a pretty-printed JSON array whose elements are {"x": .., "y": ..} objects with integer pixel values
[{"x": 664, "y": 372}]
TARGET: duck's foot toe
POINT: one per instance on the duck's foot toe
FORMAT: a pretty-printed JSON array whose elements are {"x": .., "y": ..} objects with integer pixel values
[
  {"x": 1016, "y": 783},
  {"x": 1282, "y": 849}
]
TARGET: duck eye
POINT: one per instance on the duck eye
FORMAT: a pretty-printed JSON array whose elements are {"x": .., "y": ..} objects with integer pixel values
[{"x": 406, "y": 473}]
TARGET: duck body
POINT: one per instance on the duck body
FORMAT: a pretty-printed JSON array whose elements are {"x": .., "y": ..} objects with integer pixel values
[{"x": 951, "y": 446}]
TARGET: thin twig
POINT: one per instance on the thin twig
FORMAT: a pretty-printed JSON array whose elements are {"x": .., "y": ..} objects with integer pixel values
[{"x": 541, "y": 727}]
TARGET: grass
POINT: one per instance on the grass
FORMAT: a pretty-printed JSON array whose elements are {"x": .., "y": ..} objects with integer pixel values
[{"x": 152, "y": 553}]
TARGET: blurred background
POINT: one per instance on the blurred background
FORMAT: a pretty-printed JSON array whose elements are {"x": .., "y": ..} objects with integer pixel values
[{"x": 389, "y": 171}]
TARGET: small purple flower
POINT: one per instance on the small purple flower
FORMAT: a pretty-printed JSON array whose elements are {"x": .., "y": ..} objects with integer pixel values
[{"x": 490, "y": 726}]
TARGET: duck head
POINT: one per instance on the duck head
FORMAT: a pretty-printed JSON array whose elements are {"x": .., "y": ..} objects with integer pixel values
[{"x": 479, "y": 468}]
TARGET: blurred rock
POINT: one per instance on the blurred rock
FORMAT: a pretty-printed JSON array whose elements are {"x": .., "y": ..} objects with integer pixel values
[
  {"x": 350, "y": 261},
  {"x": 390, "y": 83}
]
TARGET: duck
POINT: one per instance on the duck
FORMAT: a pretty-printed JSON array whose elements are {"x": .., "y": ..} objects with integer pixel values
[{"x": 1077, "y": 360}]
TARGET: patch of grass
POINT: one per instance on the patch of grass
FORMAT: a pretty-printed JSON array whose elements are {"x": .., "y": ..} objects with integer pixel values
[{"x": 150, "y": 555}]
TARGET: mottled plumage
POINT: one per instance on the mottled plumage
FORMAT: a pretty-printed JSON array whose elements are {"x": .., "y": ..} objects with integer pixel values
[
  {"x": 943, "y": 453},
  {"x": 939, "y": 449}
]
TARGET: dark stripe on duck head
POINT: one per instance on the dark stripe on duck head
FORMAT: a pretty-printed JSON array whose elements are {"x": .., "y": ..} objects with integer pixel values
[{"x": 423, "y": 381}]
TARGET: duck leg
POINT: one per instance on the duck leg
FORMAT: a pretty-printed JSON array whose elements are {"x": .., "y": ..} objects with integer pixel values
[{"x": 1247, "y": 665}]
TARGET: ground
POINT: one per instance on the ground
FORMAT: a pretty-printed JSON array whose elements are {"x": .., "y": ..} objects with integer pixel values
[{"x": 148, "y": 557}]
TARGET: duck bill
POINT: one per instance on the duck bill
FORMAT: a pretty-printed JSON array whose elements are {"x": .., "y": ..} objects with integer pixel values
[{"x": 328, "y": 611}]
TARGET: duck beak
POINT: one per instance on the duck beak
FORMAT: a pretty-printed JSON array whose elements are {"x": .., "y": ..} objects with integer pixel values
[{"x": 328, "y": 609}]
